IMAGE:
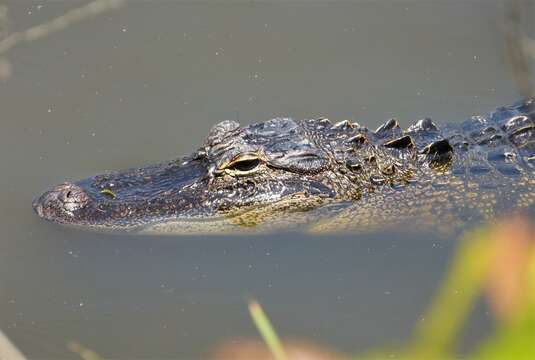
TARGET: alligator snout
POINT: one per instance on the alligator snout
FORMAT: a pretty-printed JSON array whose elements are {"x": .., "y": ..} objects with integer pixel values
[{"x": 61, "y": 201}]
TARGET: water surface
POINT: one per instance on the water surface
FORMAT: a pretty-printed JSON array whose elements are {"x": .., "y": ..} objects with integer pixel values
[{"x": 145, "y": 83}]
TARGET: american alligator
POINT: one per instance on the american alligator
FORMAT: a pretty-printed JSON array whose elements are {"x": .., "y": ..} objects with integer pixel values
[{"x": 319, "y": 176}]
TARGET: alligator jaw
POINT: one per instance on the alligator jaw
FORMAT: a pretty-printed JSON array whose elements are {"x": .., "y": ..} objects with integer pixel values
[{"x": 128, "y": 200}]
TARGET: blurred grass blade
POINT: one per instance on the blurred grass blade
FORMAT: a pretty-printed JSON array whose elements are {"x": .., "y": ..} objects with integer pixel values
[
  {"x": 434, "y": 336},
  {"x": 82, "y": 351},
  {"x": 266, "y": 331}
]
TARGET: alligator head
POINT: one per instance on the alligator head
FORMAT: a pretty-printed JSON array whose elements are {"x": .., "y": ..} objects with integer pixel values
[{"x": 237, "y": 171}]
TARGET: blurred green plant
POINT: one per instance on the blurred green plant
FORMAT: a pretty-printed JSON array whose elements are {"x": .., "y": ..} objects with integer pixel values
[
  {"x": 435, "y": 337},
  {"x": 494, "y": 260},
  {"x": 266, "y": 330}
]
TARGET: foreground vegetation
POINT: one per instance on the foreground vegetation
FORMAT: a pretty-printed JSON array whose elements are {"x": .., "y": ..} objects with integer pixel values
[{"x": 496, "y": 262}]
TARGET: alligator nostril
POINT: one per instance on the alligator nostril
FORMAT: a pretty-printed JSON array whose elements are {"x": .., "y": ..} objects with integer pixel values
[{"x": 61, "y": 201}]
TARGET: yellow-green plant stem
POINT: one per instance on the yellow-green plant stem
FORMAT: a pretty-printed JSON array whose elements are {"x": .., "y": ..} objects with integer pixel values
[{"x": 266, "y": 330}]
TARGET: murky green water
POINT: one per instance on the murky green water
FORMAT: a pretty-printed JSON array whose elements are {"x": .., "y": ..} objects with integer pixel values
[{"x": 145, "y": 83}]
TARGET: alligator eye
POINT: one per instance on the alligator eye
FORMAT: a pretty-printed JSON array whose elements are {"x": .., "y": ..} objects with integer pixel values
[{"x": 243, "y": 163}]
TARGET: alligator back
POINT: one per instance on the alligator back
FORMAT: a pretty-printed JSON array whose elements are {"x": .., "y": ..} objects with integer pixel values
[{"x": 460, "y": 173}]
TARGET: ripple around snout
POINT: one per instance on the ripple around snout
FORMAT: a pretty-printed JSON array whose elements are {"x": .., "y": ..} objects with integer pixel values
[{"x": 37, "y": 207}]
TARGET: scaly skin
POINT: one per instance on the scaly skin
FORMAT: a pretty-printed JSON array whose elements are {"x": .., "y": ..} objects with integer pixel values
[{"x": 312, "y": 174}]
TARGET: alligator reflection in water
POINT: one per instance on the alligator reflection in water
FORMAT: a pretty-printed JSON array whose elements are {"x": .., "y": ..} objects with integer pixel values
[{"x": 317, "y": 175}]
